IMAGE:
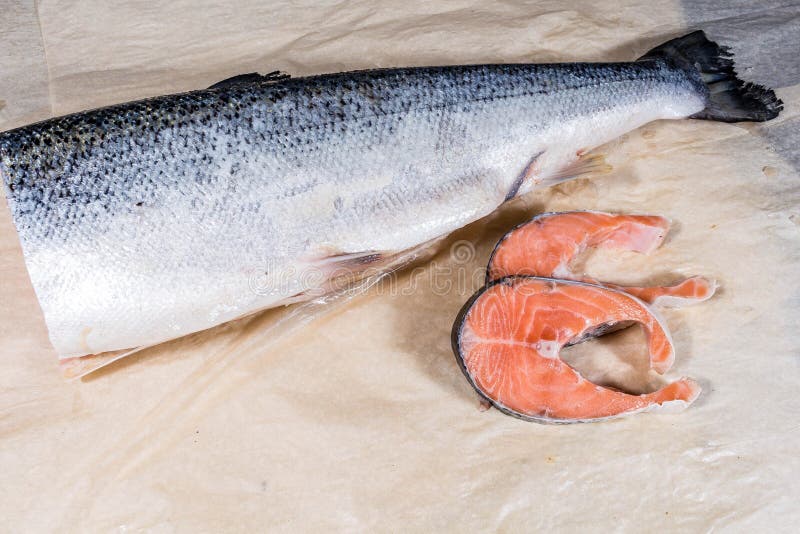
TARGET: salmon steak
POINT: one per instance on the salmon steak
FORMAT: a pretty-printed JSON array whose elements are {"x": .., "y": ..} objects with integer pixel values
[
  {"x": 508, "y": 336},
  {"x": 548, "y": 243}
]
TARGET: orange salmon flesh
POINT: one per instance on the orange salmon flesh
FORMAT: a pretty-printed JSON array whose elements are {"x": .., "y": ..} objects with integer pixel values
[
  {"x": 545, "y": 246},
  {"x": 508, "y": 337}
]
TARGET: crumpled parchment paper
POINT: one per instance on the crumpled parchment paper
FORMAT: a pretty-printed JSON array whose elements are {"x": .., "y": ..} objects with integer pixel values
[{"x": 362, "y": 420}]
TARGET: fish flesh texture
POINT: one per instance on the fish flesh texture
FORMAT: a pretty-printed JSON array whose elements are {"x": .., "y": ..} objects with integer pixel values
[
  {"x": 508, "y": 336},
  {"x": 146, "y": 221},
  {"x": 545, "y": 246}
]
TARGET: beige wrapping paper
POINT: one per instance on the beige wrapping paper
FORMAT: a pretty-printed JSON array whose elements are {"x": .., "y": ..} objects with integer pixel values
[{"x": 361, "y": 420}]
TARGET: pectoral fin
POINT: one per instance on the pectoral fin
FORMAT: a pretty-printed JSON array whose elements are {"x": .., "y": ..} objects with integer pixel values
[
  {"x": 583, "y": 166},
  {"x": 527, "y": 174},
  {"x": 336, "y": 269},
  {"x": 348, "y": 260}
]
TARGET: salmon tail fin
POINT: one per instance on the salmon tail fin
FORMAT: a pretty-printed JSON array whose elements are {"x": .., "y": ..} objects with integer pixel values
[{"x": 729, "y": 98}]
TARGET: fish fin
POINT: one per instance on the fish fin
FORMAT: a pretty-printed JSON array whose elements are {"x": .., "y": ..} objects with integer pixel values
[
  {"x": 514, "y": 189},
  {"x": 526, "y": 174},
  {"x": 729, "y": 99},
  {"x": 329, "y": 270},
  {"x": 349, "y": 260},
  {"x": 586, "y": 164},
  {"x": 325, "y": 271},
  {"x": 252, "y": 77},
  {"x": 74, "y": 367}
]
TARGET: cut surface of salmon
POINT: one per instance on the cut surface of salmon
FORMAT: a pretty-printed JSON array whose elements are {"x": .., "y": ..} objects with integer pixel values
[
  {"x": 545, "y": 246},
  {"x": 508, "y": 337}
]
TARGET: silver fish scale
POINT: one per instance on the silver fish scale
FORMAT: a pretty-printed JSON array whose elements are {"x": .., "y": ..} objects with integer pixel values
[{"x": 157, "y": 212}]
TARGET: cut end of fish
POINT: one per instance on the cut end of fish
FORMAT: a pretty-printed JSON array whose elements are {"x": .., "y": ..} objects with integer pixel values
[{"x": 507, "y": 340}]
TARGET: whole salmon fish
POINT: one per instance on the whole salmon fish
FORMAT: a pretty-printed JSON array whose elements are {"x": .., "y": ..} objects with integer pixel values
[{"x": 146, "y": 221}]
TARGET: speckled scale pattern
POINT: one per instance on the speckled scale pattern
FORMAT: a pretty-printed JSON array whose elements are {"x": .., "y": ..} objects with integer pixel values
[
  {"x": 157, "y": 212},
  {"x": 63, "y": 158}
]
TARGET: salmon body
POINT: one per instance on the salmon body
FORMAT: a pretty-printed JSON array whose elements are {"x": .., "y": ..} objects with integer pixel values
[{"x": 146, "y": 221}]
